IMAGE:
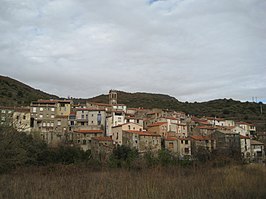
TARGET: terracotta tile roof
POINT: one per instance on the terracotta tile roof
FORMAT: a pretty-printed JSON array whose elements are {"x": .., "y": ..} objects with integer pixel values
[
  {"x": 170, "y": 139},
  {"x": 204, "y": 122},
  {"x": 181, "y": 124},
  {"x": 118, "y": 105},
  {"x": 206, "y": 127},
  {"x": 103, "y": 138},
  {"x": 245, "y": 123},
  {"x": 53, "y": 101},
  {"x": 88, "y": 131},
  {"x": 142, "y": 133},
  {"x": 244, "y": 137},
  {"x": 100, "y": 104},
  {"x": 199, "y": 137},
  {"x": 183, "y": 138},
  {"x": 157, "y": 124},
  {"x": 122, "y": 124},
  {"x": 171, "y": 118},
  {"x": 61, "y": 116},
  {"x": 255, "y": 142},
  {"x": 89, "y": 109}
]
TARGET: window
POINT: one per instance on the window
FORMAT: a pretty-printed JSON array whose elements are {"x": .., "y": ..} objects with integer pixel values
[
  {"x": 41, "y": 108},
  {"x": 186, "y": 150},
  {"x": 3, "y": 111},
  {"x": 24, "y": 117},
  {"x": 171, "y": 145},
  {"x": 52, "y": 116},
  {"x": 59, "y": 123},
  {"x": 181, "y": 141},
  {"x": 41, "y": 116},
  {"x": 186, "y": 141},
  {"x": 44, "y": 124},
  {"x": 52, "y": 124},
  {"x": 52, "y": 109},
  {"x": 34, "y": 110}
]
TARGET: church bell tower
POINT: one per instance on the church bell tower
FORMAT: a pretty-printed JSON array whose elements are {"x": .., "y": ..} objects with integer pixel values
[{"x": 112, "y": 97}]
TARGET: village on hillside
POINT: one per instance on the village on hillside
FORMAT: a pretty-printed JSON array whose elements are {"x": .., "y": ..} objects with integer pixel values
[{"x": 102, "y": 127}]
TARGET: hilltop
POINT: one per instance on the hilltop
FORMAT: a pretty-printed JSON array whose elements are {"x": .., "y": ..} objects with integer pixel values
[{"x": 16, "y": 93}]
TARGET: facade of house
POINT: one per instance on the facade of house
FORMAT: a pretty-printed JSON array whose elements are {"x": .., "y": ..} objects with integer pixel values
[
  {"x": 245, "y": 147},
  {"x": 159, "y": 128},
  {"x": 91, "y": 119},
  {"x": 171, "y": 144},
  {"x": 250, "y": 128},
  {"x": 117, "y": 131},
  {"x": 115, "y": 118},
  {"x": 227, "y": 143},
  {"x": 143, "y": 141},
  {"x": 184, "y": 147},
  {"x": 205, "y": 130},
  {"x": 83, "y": 138},
  {"x": 257, "y": 151},
  {"x": 199, "y": 142},
  {"x": 6, "y": 116},
  {"x": 101, "y": 148},
  {"x": 21, "y": 120}
]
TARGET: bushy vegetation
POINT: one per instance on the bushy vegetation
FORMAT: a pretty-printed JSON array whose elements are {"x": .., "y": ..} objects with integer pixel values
[{"x": 18, "y": 149}]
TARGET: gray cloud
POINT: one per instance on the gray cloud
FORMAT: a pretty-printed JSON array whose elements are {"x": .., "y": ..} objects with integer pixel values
[{"x": 193, "y": 50}]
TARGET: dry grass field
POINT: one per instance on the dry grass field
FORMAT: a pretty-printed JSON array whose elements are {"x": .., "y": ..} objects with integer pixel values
[{"x": 239, "y": 182}]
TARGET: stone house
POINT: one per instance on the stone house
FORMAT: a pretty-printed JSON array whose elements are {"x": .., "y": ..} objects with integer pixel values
[
  {"x": 204, "y": 130},
  {"x": 227, "y": 143},
  {"x": 250, "y": 128},
  {"x": 199, "y": 142},
  {"x": 6, "y": 115},
  {"x": 159, "y": 128},
  {"x": 184, "y": 147},
  {"x": 117, "y": 131},
  {"x": 171, "y": 144},
  {"x": 257, "y": 151},
  {"x": 101, "y": 148},
  {"x": 245, "y": 147},
  {"x": 143, "y": 141},
  {"x": 21, "y": 120},
  {"x": 83, "y": 138}
]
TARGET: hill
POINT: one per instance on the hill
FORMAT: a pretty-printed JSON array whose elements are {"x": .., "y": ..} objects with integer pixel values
[
  {"x": 227, "y": 108},
  {"x": 15, "y": 93}
]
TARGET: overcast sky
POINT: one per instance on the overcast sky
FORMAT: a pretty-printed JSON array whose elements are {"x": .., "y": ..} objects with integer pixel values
[{"x": 194, "y": 50}]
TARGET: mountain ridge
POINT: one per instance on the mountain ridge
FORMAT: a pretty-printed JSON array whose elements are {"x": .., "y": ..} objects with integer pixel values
[{"x": 16, "y": 93}]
